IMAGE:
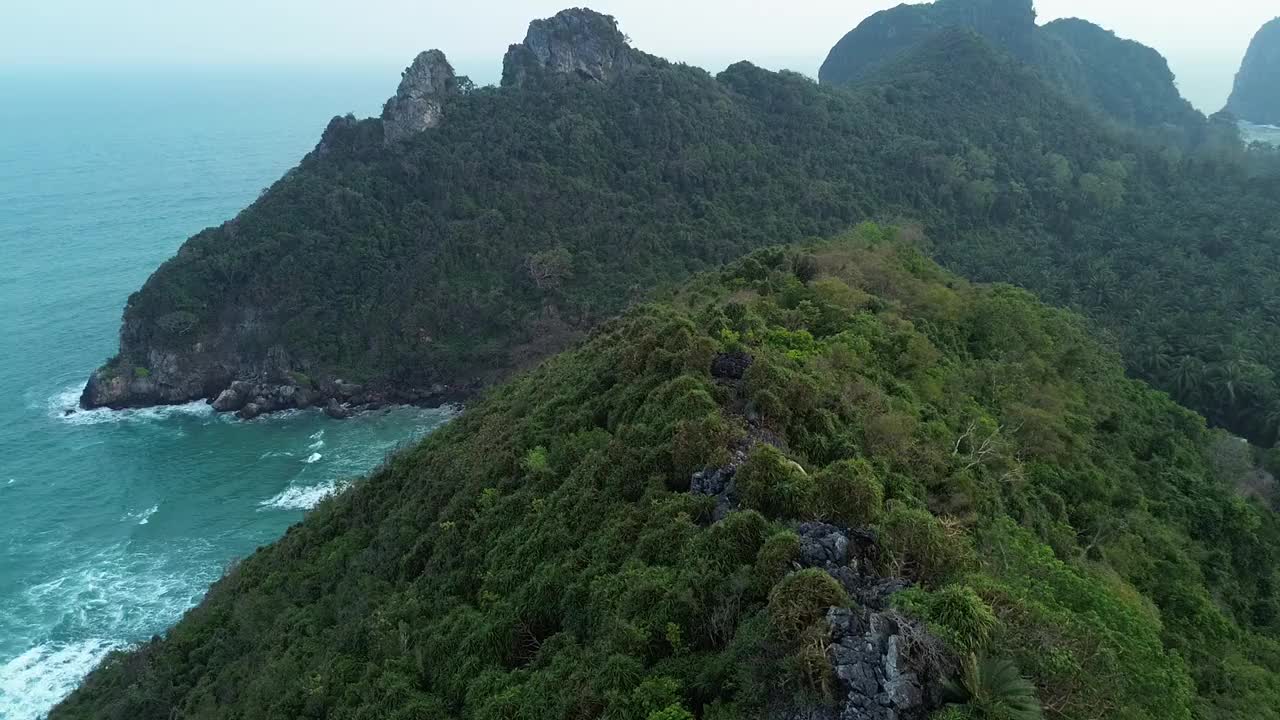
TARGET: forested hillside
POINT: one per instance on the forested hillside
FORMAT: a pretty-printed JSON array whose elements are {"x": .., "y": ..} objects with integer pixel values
[
  {"x": 829, "y": 479},
  {"x": 1125, "y": 80},
  {"x": 527, "y": 213}
]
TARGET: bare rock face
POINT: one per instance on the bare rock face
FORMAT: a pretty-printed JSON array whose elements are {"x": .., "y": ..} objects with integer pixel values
[
  {"x": 577, "y": 42},
  {"x": 419, "y": 101},
  {"x": 1256, "y": 96}
]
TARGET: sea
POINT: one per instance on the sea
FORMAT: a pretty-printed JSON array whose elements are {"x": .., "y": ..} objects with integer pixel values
[
  {"x": 112, "y": 524},
  {"x": 1260, "y": 133}
]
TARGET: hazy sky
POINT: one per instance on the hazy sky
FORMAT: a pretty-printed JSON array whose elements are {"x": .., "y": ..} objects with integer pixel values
[{"x": 1204, "y": 41}]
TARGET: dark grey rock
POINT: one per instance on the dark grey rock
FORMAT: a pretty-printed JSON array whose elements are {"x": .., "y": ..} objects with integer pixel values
[
  {"x": 418, "y": 104},
  {"x": 337, "y": 411},
  {"x": 823, "y": 546},
  {"x": 577, "y": 42},
  {"x": 731, "y": 366},
  {"x": 235, "y": 397}
]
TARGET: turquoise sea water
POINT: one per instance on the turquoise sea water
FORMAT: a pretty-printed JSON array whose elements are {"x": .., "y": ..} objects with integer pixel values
[{"x": 112, "y": 524}]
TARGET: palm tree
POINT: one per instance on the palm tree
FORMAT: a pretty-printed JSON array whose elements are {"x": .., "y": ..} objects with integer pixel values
[{"x": 993, "y": 689}]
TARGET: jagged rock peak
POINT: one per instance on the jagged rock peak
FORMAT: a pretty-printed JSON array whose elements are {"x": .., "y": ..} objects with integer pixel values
[
  {"x": 419, "y": 101},
  {"x": 1256, "y": 96},
  {"x": 577, "y": 41}
]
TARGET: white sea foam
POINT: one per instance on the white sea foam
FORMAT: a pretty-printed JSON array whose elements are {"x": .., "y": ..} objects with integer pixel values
[
  {"x": 143, "y": 516},
  {"x": 113, "y": 594},
  {"x": 313, "y": 458},
  {"x": 301, "y": 497},
  {"x": 34, "y": 681},
  {"x": 65, "y": 406}
]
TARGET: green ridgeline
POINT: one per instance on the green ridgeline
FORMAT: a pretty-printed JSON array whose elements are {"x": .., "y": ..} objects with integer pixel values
[
  {"x": 532, "y": 213},
  {"x": 543, "y": 557}
]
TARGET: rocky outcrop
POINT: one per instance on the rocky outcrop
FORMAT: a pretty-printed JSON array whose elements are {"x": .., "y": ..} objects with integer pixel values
[
  {"x": 731, "y": 366},
  {"x": 886, "y": 666},
  {"x": 1256, "y": 96},
  {"x": 172, "y": 380},
  {"x": 577, "y": 42},
  {"x": 419, "y": 102}
]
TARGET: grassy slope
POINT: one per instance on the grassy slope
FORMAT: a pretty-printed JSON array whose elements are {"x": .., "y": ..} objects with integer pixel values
[{"x": 541, "y": 556}]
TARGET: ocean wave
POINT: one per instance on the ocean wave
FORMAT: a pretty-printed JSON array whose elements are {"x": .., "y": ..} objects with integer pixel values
[
  {"x": 143, "y": 516},
  {"x": 313, "y": 458},
  {"x": 36, "y": 680},
  {"x": 112, "y": 596},
  {"x": 301, "y": 497},
  {"x": 65, "y": 407}
]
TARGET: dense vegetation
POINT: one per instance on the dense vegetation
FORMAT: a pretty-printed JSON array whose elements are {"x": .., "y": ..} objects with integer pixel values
[
  {"x": 1129, "y": 82},
  {"x": 542, "y": 556},
  {"x": 533, "y": 213}
]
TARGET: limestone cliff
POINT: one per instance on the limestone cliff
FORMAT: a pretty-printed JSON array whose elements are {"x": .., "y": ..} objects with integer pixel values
[
  {"x": 578, "y": 42},
  {"x": 1256, "y": 97},
  {"x": 419, "y": 101}
]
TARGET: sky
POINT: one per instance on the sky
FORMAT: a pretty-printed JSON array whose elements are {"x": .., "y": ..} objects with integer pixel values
[{"x": 1204, "y": 41}]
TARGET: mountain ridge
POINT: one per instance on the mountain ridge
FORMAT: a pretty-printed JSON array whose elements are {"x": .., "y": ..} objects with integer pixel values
[
  {"x": 816, "y": 484},
  {"x": 419, "y": 271},
  {"x": 1127, "y": 81},
  {"x": 1255, "y": 96}
]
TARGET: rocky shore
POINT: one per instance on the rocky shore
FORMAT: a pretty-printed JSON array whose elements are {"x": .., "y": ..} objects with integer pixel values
[{"x": 251, "y": 398}]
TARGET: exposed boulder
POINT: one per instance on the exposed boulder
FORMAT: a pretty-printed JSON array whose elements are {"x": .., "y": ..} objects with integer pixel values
[
  {"x": 731, "y": 366},
  {"x": 1256, "y": 96},
  {"x": 337, "y": 411},
  {"x": 876, "y": 678},
  {"x": 234, "y": 398},
  {"x": 719, "y": 483},
  {"x": 418, "y": 104},
  {"x": 577, "y": 42}
]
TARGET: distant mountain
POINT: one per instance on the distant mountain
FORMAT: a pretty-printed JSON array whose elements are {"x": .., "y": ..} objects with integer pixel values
[
  {"x": 1126, "y": 80},
  {"x": 469, "y": 232},
  {"x": 1256, "y": 97}
]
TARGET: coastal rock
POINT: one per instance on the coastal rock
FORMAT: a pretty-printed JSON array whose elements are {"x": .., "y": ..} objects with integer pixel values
[
  {"x": 337, "y": 411},
  {"x": 233, "y": 398},
  {"x": 576, "y": 42},
  {"x": 105, "y": 388},
  {"x": 1256, "y": 96},
  {"x": 418, "y": 104}
]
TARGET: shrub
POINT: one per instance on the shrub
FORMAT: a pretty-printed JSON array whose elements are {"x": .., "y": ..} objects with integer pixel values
[
  {"x": 806, "y": 268},
  {"x": 141, "y": 373},
  {"x": 801, "y": 598},
  {"x": 920, "y": 544},
  {"x": 850, "y": 493},
  {"x": 775, "y": 485},
  {"x": 737, "y": 538},
  {"x": 536, "y": 461},
  {"x": 993, "y": 689},
  {"x": 956, "y": 614},
  {"x": 775, "y": 557},
  {"x": 671, "y": 712}
]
